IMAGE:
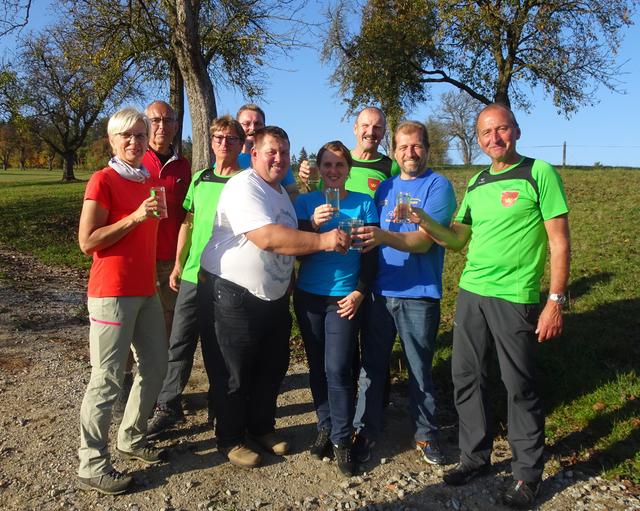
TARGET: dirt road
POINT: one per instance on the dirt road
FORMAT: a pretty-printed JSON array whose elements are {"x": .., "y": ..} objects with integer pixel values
[{"x": 44, "y": 367}]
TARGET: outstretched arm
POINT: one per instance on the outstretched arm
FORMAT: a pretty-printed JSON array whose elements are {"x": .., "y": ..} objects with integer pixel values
[
  {"x": 454, "y": 237},
  {"x": 288, "y": 241}
]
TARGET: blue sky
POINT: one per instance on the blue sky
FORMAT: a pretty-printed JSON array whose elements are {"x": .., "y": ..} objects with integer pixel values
[{"x": 307, "y": 106}]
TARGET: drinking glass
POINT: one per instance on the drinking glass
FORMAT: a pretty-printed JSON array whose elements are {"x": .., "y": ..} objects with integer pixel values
[{"x": 332, "y": 197}]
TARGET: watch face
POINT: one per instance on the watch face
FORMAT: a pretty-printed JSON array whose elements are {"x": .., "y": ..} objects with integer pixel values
[{"x": 561, "y": 299}]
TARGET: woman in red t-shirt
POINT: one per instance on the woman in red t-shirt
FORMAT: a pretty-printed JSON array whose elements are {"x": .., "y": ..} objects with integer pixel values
[{"x": 118, "y": 228}]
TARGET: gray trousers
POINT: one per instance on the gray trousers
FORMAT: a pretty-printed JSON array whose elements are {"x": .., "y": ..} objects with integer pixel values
[
  {"x": 185, "y": 332},
  {"x": 480, "y": 322},
  {"x": 117, "y": 324}
]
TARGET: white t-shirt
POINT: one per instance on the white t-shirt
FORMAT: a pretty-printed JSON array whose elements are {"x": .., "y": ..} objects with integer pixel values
[{"x": 247, "y": 203}]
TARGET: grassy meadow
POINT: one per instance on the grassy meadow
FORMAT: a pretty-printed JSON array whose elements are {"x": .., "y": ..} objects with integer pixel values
[{"x": 589, "y": 376}]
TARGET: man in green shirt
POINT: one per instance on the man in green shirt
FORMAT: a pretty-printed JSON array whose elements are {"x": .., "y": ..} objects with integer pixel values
[
  {"x": 227, "y": 139},
  {"x": 511, "y": 211},
  {"x": 370, "y": 166}
]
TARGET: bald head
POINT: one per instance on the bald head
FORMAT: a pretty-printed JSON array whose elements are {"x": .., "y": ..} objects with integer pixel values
[
  {"x": 498, "y": 132},
  {"x": 164, "y": 126},
  {"x": 369, "y": 130}
]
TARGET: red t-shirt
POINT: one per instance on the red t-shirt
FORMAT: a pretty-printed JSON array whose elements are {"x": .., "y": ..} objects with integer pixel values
[
  {"x": 128, "y": 267},
  {"x": 175, "y": 176}
]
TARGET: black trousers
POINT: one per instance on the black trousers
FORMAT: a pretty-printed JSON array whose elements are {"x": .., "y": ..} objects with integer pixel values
[
  {"x": 251, "y": 359},
  {"x": 479, "y": 322}
]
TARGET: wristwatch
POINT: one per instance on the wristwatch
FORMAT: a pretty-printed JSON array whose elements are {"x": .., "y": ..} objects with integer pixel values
[{"x": 558, "y": 298}]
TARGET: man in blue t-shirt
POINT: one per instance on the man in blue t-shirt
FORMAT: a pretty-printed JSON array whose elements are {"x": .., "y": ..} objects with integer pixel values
[
  {"x": 406, "y": 294},
  {"x": 251, "y": 117}
]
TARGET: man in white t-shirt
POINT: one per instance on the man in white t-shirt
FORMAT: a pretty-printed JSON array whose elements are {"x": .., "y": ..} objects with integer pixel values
[{"x": 246, "y": 271}]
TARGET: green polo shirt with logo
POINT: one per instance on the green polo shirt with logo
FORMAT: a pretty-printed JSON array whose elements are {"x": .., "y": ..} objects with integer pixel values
[
  {"x": 506, "y": 211},
  {"x": 366, "y": 175},
  {"x": 202, "y": 201}
]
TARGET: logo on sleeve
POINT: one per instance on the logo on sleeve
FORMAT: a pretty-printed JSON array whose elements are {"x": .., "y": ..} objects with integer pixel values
[
  {"x": 373, "y": 183},
  {"x": 509, "y": 198}
]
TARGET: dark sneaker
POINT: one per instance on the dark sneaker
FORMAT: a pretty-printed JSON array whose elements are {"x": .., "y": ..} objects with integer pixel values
[
  {"x": 123, "y": 396},
  {"x": 113, "y": 483},
  {"x": 146, "y": 453},
  {"x": 344, "y": 459},
  {"x": 431, "y": 452},
  {"x": 362, "y": 448},
  {"x": 272, "y": 443},
  {"x": 462, "y": 474},
  {"x": 241, "y": 456},
  {"x": 521, "y": 494},
  {"x": 162, "y": 420},
  {"x": 321, "y": 448}
]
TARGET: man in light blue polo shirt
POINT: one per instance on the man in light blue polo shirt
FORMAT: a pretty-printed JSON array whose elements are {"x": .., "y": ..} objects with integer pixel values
[
  {"x": 406, "y": 295},
  {"x": 251, "y": 117}
]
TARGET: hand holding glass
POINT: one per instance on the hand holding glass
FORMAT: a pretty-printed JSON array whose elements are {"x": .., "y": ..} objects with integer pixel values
[
  {"x": 403, "y": 208},
  {"x": 314, "y": 173},
  {"x": 345, "y": 226},
  {"x": 159, "y": 193},
  {"x": 332, "y": 197},
  {"x": 356, "y": 223}
]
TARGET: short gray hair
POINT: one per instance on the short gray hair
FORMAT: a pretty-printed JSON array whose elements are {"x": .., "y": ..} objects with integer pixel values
[{"x": 123, "y": 119}]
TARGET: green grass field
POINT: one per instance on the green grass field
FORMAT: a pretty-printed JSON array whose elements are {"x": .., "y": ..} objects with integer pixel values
[{"x": 590, "y": 379}]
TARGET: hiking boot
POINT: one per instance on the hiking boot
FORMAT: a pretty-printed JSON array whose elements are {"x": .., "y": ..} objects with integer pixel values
[
  {"x": 241, "y": 456},
  {"x": 123, "y": 396},
  {"x": 163, "y": 419},
  {"x": 112, "y": 483},
  {"x": 272, "y": 443},
  {"x": 321, "y": 448},
  {"x": 521, "y": 494},
  {"x": 462, "y": 474},
  {"x": 344, "y": 459},
  {"x": 431, "y": 453},
  {"x": 146, "y": 453},
  {"x": 361, "y": 448}
]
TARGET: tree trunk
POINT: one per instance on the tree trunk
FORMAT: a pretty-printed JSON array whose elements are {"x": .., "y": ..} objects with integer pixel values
[
  {"x": 176, "y": 99},
  {"x": 68, "y": 160},
  {"x": 202, "y": 103},
  {"x": 50, "y": 159}
]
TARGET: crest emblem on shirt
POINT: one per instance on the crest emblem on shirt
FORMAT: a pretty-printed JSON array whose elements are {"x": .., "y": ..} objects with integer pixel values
[
  {"x": 508, "y": 199},
  {"x": 373, "y": 184}
]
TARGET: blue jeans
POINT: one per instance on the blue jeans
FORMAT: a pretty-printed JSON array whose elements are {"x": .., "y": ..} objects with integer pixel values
[
  {"x": 416, "y": 320},
  {"x": 329, "y": 342}
]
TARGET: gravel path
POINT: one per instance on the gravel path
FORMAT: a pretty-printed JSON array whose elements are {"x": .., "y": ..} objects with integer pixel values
[{"x": 44, "y": 367}]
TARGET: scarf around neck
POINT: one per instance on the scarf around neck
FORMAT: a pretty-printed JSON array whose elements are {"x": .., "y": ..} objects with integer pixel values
[{"x": 128, "y": 172}]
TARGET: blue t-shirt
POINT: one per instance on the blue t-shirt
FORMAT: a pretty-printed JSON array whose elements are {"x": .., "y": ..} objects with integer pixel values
[
  {"x": 331, "y": 273},
  {"x": 244, "y": 162},
  {"x": 403, "y": 274}
]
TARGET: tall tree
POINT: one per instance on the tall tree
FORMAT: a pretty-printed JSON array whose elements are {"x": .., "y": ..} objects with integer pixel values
[
  {"x": 226, "y": 42},
  {"x": 491, "y": 49},
  {"x": 65, "y": 87},
  {"x": 458, "y": 112}
]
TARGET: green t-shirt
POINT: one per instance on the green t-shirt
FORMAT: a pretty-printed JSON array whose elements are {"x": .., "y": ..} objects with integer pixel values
[
  {"x": 366, "y": 175},
  {"x": 506, "y": 211},
  {"x": 201, "y": 200}
]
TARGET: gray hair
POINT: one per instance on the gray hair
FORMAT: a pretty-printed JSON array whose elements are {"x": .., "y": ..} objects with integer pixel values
[{"x": 123, "y": 119}]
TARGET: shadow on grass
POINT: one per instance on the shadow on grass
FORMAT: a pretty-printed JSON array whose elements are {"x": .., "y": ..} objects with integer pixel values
[{"x": 597, "y": 348}]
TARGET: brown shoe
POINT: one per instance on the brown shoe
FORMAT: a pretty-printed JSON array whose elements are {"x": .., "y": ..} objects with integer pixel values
[
  {"x": 241, "y": 456},
  {"x": 271, "y": 442}
]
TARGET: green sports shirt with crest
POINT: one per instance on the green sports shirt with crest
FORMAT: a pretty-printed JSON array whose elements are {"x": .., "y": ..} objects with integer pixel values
[{"x": 506, "y": 211}]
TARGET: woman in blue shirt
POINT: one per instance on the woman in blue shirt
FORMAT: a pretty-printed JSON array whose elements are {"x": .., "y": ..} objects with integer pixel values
[{"x": 329, "y": 290}]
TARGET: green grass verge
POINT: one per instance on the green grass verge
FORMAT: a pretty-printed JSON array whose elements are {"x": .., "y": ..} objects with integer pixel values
[{"x": 589, "y": 377}]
